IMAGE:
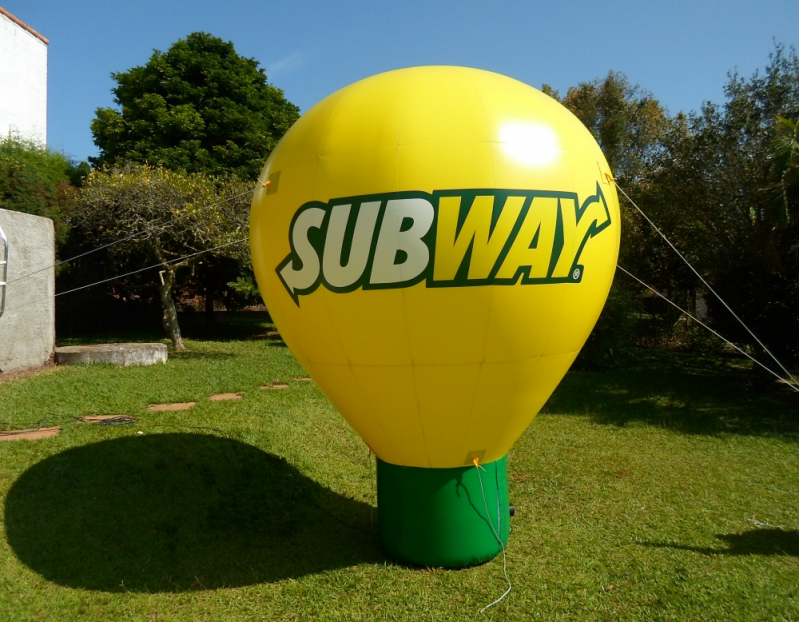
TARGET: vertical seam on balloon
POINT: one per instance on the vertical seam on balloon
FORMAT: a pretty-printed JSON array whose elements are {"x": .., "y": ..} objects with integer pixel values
[
  {"x": 404, "y": 302},
  {"x": 318, "y": 157},
  {"x": 494, "y": 173},
  {"x": 413, "y": 377},
  {"x": 503, "y": 424},
  {"x": 540, "y": 360},
  {"x": 325, "y": 293},
  {"x": 557, "y": 315},
  {"x": 491, "y": 289},
  {"x": 565, "y": 291},
  {"x": 372, "y": 410},
  {"x": 472, "y": 409},
  {"x": 330, "y": 121},
  {"x": 487, "y": 124}
]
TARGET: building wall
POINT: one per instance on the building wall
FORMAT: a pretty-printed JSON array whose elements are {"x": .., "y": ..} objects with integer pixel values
[
  {"x": 27, "y": 326},
  {"x": 23, "y": 82}
]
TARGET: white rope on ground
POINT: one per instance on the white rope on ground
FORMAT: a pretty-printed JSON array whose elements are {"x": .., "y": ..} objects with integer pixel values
[
  {"x": 701, "y": 278},
  {"x": 121, "y": 276},
  {"x": 133, "y": 236},
  {"x": 763, "y": 524},
  {"x": 491, "y": 524},
  {"x": 679, "y": 308}
]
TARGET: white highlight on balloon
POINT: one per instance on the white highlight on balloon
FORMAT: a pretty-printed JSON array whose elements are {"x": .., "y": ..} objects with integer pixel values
[{"x": 530, "y": 143}]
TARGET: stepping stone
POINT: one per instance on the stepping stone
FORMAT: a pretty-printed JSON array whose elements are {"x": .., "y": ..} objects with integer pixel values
[
  {"x": 112, "y": 353},
  {"x": 29, "y": 435},
  {"x": 221, "y": 397},
  {"x": 105, "y": 419},
  {"x": 178, "y": 406}
]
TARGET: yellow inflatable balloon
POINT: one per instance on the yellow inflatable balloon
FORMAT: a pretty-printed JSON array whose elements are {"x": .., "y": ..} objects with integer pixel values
[{"x": 435, "y": 245}]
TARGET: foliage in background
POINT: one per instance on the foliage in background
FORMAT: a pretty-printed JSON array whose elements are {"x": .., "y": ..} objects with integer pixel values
[
  {"x": 629, "y": 124},
  {"x": 611, "y": 341},
  {"x": 626, "y": 120},
  {"x": 38, "y": 181},
  {"x": 199, "y": 107},
  {"x": 245, "y": 290},
  {"x": 139, "y": 200},
  {"x": 723, "y": 185},
  {"x": 712, "y": 190}
]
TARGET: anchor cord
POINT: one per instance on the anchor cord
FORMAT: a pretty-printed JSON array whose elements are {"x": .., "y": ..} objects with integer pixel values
[
  {"x": 498, "y": 538},
  {"x": 704, "y": 281}
]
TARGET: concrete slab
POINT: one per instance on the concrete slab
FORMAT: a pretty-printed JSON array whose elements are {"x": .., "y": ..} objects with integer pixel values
[
  {"x": 221, "y": 397},
  {"x": 33, "y": 434},
  {"x": 106, "y": 419},
  {"x": 170, "y": 407},
  {"x": 112, "y": 353}
]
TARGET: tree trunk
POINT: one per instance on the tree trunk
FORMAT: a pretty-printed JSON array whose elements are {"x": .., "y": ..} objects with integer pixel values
[
  {"x": 170, "y": 317},
  {"x": 209, "y": 300}
]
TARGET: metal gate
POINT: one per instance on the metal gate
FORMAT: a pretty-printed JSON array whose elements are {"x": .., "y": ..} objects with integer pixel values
[{"x": 3, "y": 270}]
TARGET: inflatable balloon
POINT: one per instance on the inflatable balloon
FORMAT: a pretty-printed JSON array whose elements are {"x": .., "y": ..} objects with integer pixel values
[{"x": 435, "y": 244}]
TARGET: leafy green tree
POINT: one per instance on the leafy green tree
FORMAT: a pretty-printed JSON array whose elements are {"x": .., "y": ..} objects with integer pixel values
[
  {"x": 626, "y": 120},
  {"x": 723, "y": 189},
  {"x": 199, "y": 107},
  {"x": 785, "y": 156},
  {"x": 629, "y": 124},
  {"x": 169, "y": 218},
  {"x": 39, "y": 181}
]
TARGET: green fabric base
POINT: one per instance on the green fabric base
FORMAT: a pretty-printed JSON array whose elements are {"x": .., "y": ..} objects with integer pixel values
[{"x": 437, "y": 517}]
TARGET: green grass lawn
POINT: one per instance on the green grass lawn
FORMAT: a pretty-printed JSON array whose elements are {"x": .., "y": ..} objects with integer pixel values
[{"x": 667, "y": 491}]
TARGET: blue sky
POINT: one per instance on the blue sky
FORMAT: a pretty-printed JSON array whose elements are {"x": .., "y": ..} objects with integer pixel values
[{"x": 680, "y": 50}]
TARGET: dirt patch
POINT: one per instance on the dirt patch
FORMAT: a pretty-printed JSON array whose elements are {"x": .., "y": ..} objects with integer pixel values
[
  {"x": 29, "y": 435},
  {"x": 177, "y": 406},
  {"x": 106, "y": 419},
  {"x": 275, "y": 386},
  {"x": 27, "y": 373},
  {"x": 303, "y": 379},
  {"x": 222, "y": 397},
  {"x": 270, "y": 335}
]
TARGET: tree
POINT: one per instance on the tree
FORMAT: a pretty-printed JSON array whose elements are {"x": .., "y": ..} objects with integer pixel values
[
  {"x": 38, "y": 181},
  {"x": 626, "y": 120},
  {"x": 629, "y": 124},
  {"x": 724, "y": 190},
  {"x": 175, "y": 220},
  {"x": 199, "y": 107},
  {"x": 785, "y": 157}
]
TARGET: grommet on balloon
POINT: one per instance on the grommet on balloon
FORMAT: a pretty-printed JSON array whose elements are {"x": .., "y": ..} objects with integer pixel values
[{"x": 439, "y": 247}]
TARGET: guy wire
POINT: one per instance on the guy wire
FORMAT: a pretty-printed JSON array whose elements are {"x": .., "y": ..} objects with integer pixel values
[
  {"x": 133, "y": 236},
  {"x": 499, "y": 539},
  {"x": 676, "y": 306},
  {"x": 701, "y": 278},
  {"x": 120, "y": 276}
]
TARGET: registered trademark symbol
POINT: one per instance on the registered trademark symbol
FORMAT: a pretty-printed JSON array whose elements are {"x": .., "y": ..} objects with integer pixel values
[{"x": 576, "y": 274}]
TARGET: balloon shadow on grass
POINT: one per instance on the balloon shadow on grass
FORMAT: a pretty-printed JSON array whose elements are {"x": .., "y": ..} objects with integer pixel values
[
  {"x": 180, "y": 512},
  {"x": 683, "y": 393},
  {"x": 766, "y": 542}
]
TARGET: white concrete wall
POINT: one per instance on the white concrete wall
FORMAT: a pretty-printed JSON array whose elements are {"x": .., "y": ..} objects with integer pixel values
[
  {"x": 27, "y": 327},
  {"x": 23, "y": 83}
]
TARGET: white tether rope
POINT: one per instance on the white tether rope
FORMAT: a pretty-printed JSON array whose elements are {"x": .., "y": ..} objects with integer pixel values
[{"x": 701, "y": 278}]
